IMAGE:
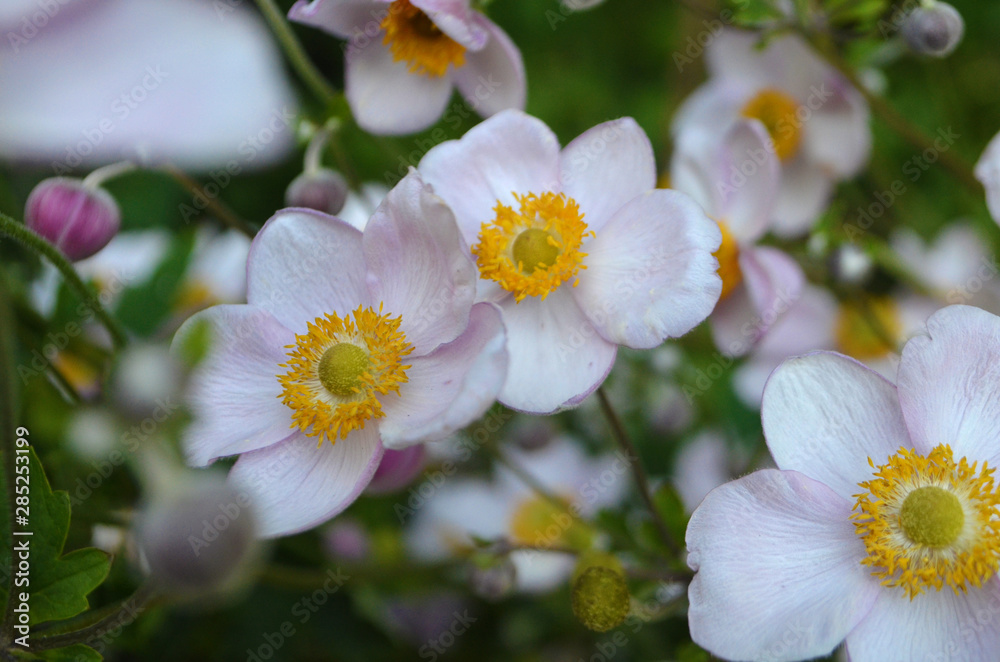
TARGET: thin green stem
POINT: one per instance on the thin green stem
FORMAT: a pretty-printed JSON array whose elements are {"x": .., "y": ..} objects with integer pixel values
[
  {"x": 897, "y": 122},
  {"x": 30, "y": 239},
  {"x": 228, "y": 217},
  {"x": 8, "y": 439},
  {"x": 130, "y": 607},
  {"x": 297, "y": 56},
  {"x": 641, "y": 480}
]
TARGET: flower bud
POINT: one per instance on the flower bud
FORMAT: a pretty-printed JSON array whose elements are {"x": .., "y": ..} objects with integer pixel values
[
  {"x": 199, "y": 539},
  {"x": 935, "y": 30},
  {"x": 323, "y": 189},
  {"x": 347, "y": 539},
  {"x": 79, "y": 219},
  {"x": 492, "y": 578},
  {"x": 600, "y": 598}
]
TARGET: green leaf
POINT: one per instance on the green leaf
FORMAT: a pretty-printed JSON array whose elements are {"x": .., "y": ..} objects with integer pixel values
[
  {"x": 144, "y": 309},
  {"x": 58, "y": 584},
  {"x": 671, "y": 509},
  {"x": 74, "y": 653}
]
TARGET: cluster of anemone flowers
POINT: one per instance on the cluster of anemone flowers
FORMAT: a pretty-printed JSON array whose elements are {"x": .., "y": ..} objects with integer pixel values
[{"x": 717, "y": 380}]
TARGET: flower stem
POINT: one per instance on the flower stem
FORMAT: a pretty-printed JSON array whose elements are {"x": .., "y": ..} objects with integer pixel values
[
  {"x": 897, "y": 122},
  {"x": 641, "y": 480},
  {"x": 25, "y": 236},
  {"x": 228, "y": 217},
  {"x": 297, "y": 55}
]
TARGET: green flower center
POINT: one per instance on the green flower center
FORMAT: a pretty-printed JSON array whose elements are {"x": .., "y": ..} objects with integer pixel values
[
  {"x": 341, "y": 368},
  {"x": 534, "y": 248},
  {"x": 932, "y": 516}
]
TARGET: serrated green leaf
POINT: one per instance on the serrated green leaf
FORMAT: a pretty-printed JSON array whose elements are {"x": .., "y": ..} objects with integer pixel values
[{"x": 58, "y": 584}]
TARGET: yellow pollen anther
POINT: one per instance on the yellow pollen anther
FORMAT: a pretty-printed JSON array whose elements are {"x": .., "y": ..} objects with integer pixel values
[
  {"x": 532, "y": 251},
  {"x": 931, "y": 516},
  {"x": 728, "y": 256},
  {"x": 929, "y": 521},
  {"x": 868, "y": 329},
  {"x": 412, "y": 36},
  {"x": 539, "y": 522},
  {"x": 339, "y": 369},
  {"x": 777, "y": 112}
]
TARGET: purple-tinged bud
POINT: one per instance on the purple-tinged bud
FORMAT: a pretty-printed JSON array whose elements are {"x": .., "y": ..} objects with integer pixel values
[
  {"x": 79, "y": 219},
  {"x": 323, "y": 189},
  {"x": 397, "y": 470},
  {"x": 936, "y": 30},
  {"x": 347, "y": 539},
  {"x": 199, "y": 538}
]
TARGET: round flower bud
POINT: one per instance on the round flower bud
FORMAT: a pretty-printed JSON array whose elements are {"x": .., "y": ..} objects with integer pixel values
[
  {"x": 492, "y": 578},
  {"x": 78, "y": 219},
  {"x": 397, "y": 469},
  {"x": 600, "y": 598},
  {"x": 935, "y": 30},
  {"x": 323, "y": 189},
  {"x": 198, "y": 540}
]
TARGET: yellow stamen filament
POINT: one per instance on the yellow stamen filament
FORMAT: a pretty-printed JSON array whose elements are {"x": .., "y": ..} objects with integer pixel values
[
  {"x": 777, "y": 112},
  {"x": 533, "y": 251},
  {"x": 338, "y": 369},
  {"x": 728, "y": 256},
  {"x": 929, "y": 521},
  {"x": 412, "y": 36},
  {"x": 868, "y": 329}
]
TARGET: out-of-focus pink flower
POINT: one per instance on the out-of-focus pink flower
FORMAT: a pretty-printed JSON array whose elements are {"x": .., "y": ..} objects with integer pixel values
[
  {"x": 817, "y": 122},
  {"x": 97, "y": 81},
  {"x": 404, "y": 57},
  {"x": 397, "y": 469}
]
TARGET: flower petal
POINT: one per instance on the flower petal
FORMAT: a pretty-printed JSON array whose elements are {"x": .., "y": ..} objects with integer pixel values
[
  {"x": 296, "y": 485},
  {"x": 650, "y": 271},
  {"x": 233, "y": 392},
  {"x": 557, "y": 357},
  {"x": 304, "y": 264},
  {"x": 347, "y": 19},
  {"x": 988, "y": 172},
  {"x": 949, "y": 383},
  {"x": 418, "y": 265},
  {"x": 450, "y": 387},
  {"x": 508, "y": 153},
  {"x": 493, "y": 78},
  {"x": 162, "y": 81},
  {"x": 457, "y": 20},
  {"x": 749, "y": 176},
  {"x": 825, "y": 414},
  {"x": 397, "y": 469},
  {"x": 607, "y": 166},
  {"x": 937, "y": 625},
  {"x": 386, "y": 98},
  {"x": 804, "y": 193},
  {"x": 838, "y": 135},
  {"x": 778, "y": 576}
]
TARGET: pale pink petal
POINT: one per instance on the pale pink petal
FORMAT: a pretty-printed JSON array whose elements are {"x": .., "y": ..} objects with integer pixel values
[
  {"x": 172, "y": 81},
  {"x": 708, "y": 112},
  {"x": 748, "y": 179},
  {"x": 557, "y": 357},
  {"x": 837, "y": 135},
  {"x": 936, "y": 625},
  {"x": 825, "y": 414},
  {"x": 607, "y": 166},
  {"x": 386, "y": 98},
  {"x": 650, "y": 271},
  {"x": 736, "y": 326},
  {"x": 493, "y": 78},
  {"x": 804, "y": 193},
  {"x": 355, "y": 20},
  {"x": 508, "y": 153},
  {"x": 457, "y": 20},
  {"x": 233, "y": 392},
  {"x": 733, "y": 56},
  {"x": 397, "y": 469},
  {"x": 988, "y": 172},
  {"x": 689, "y": 175},
  {"x": 949, "y": 384},
  {"x": 452, "y": 386},
  {"x": 418, "y": 265},
  {"x": 778, "y": 576},
  {"x": 304, "y": 264},
  {"x": 295, "y": 485}
]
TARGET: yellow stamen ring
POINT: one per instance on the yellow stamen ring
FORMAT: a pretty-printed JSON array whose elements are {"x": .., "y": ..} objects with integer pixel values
[
  {"x": 930, "y": 521},
  {"x": 412, "y": 36},
  {"x": 338, "y": 369},
  {"x": 533, "y": 251},
  {"x": 778, "y": 113}
]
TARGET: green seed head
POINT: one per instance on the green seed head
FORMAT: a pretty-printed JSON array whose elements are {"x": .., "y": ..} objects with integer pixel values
[
  {"x": 532, "y": 248},
  {"x": 341, "y": 368},
  {"x": 600, "y": 598},
  {"x": 931, "y": 516}
]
